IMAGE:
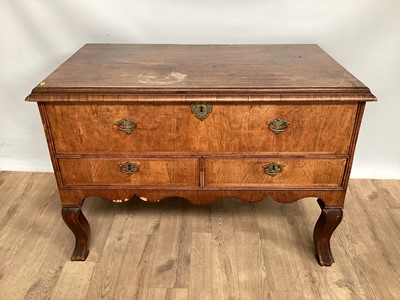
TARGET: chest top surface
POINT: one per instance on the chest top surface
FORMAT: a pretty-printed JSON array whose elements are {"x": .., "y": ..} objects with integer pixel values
[{"x": 141, "y": 68}]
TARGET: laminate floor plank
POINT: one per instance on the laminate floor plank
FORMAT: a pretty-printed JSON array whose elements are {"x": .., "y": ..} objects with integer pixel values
[
  {"x": 372, "y": 195},
  {"x": 281, "y": 274},
  {"x": 386, "y": 190},
  {"x": 304, "y": 267},
  {"x": 201, "y": 266},
  {"x": 356, "y": 251},
  {"x": 74, "y": 281},
  {"x": 14, "y": 185},
  {"x": 359, "y": 250},
  {"x": 381, "y": 241},
  {"x": 394, "y": 215},
  {"x": 173, "y": 250},
  {"x": 23, "y": 267},
  {"x": 106, "y": 274},
  {"x": 250, "y": 264},
  {"x": 100, "y": 214},
  {"x": 171, "y": 262},
  {"x": 52, "y": 264},
  {"x": 56, "y": 254},
  {"x": 136, "y": 267},
  {"x": 167, "y": 294},
  {"x": 244, "y": 216},
  {"x": 284, "y": 295},
  {"x": 28, "y": 236},
  {"x": 18, "y": 217},
  {"x": 147, "y": 220},
  {"x": 177, "y": 294},
  {"x": 225, "y": 274},
  {"x": 201, "y": 218}
]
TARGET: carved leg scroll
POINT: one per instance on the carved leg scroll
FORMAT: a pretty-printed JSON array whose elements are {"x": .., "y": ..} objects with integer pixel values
[
  {"x": 80, "y": 227},
  {"x": 329, "y": 219}
]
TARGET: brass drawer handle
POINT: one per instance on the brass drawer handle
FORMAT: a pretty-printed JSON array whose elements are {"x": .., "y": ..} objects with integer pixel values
[
  {"x": 277, "y": 125},
  {"x": 273, "y": 169},
  {"x": 129, "y": 167},
  {"x": 201, "y": 110},
  {"x": 126, "y": 125}
]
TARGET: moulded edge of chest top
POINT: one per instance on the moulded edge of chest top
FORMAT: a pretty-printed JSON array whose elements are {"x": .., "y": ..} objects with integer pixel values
[{"x": 183, "y": 97}]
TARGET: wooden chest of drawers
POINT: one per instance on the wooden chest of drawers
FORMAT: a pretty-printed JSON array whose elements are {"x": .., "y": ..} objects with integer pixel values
[{"x": 146, "y": 122}]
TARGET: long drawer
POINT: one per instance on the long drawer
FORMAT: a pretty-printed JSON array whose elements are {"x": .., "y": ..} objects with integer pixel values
[
  {"x": 229, "y": 128},
  {"x": 129, "y": 171},
  {"x": 277, "y": 172}
]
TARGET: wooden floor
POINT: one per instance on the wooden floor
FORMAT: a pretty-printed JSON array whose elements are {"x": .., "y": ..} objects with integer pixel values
[{"x": 172, "y": 250}]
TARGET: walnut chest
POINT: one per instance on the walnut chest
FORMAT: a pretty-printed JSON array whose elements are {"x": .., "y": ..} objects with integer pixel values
[{"x": 146, "y": 122}]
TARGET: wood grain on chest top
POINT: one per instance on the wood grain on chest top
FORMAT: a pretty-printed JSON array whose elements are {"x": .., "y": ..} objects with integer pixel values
[{"x": 200, "y": 68}]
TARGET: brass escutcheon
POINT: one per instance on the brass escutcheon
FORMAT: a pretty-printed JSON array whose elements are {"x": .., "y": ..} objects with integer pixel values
[
  {"x": 126, "y": 125},
  {"x": 272, "y": 169},
  {"x": 201, "y": 110},
  {"x": 277, "y": 125},
  {"x": 129, "y": 167}
]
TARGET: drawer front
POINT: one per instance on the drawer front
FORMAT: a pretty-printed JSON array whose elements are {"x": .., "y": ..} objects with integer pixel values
[
  {"x": 140, "y": 171},
  {"x": 277, "y": 172},
  {"x": 229, "y": 128}
]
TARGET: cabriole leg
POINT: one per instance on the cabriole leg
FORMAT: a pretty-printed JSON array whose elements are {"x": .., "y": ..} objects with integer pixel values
[
  {"x": 76, "y": 221},
  {"x": 327, "y": 222}
]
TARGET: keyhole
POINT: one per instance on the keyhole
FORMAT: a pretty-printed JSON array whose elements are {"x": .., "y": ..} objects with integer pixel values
[{"x": 201, "y": 108}]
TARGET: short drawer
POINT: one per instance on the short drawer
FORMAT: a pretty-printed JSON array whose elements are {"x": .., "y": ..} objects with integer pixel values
[
  {"x": 129, "y": 171},
  {"x": 277, "y": 172},
  {"x": 229, "y": 128}
]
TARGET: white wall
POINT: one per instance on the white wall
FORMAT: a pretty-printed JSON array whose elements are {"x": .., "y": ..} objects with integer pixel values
[{"x": 36, "y": 36}]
